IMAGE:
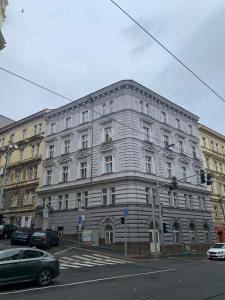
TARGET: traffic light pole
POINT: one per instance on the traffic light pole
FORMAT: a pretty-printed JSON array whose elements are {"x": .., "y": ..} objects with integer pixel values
[{"x": 125, "y": 236}]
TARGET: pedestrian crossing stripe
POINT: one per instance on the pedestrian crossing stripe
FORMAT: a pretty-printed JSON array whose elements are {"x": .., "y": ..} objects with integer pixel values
[{"x": 79, "y": 261}]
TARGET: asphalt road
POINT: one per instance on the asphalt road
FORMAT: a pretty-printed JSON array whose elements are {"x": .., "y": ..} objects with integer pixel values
[{"x": 88, "y": 275}]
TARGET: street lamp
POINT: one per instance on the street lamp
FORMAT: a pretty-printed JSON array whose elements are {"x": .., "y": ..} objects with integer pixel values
[
  {"x": 156, "y": 198},
  {"x": 10, "y": 149}
]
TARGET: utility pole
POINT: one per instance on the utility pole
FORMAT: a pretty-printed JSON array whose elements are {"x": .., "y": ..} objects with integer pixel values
[
  {"x": 153, "y": 221},
  {"x": 125, "y": 236}
]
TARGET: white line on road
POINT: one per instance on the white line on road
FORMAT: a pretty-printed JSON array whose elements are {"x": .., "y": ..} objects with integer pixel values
[
  {"x": 86, "y": 281},
  {"x": 62, "y": 251}
]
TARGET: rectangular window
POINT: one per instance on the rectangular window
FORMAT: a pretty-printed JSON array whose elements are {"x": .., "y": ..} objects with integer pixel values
[
  {"x": 148, "y": 164},
  {"x": 146, "y": 133},
  {"x": 32, "y": 150},
  {"x": 37, "y": 149},
  {"x": 108, "y": 134},
  {"x": 169, "y": 169},
  {"x": 21, "y": 154},
  {"x": 66, "y": 146},
  {"x": 178, "y": 123},
  {"x": 51, "y": 150},
  {"x": 86, "y": 199},
  {"x": 49, "y": 177},
  {"x": 78, "y": 199},
  {"x": 35, "y": 130},
  {"x": 39, "y": 128},
  {"x": 111, "y": 106},
  {"x": 14, "y": 201},
  {"x": 163, "y": 117},
  {"x": 52, "y": 128},
  {"x": 24, "y": 132},
  {"x": 190, "y": 201},
  {"x": 203, "y": 141},
  {"x": 181, "y": 146},
  {"x": 221, "y": 167},
  {"x": 113, "y": 195},
  {"x": 190, "y": 129},
  {"x": 65, "y": 173},
  {"x": 35, "y": 170},
  {"x": 104, "y": 108},
  {"x": 29, "y": 173},
  {"x": 186, "y": 201},
  {"x": 60, "y": 203},
  {"x": 83, "y": 169},
  {"x": 174, "y": 199},
  {"x": 166, "y": 140},
  {"x": 84, "y": 116},
  {"x": 68, "y": 122},
  {"x": 212, "y": 145},
  {"x": 184, "y": 173},
  {"x": 217, "y": 147},
  {"x": 84, "y": 141},
  {"x": 147, "y": 194},
  {"x": 18, "y": 176},
  {"x": 66, "y": 202},
  {"x": 104, "y": 197},
  {"x": 49, "y": 201},
  {"x": 194, "y": 154},
  {"x": 108, "y": 164}
]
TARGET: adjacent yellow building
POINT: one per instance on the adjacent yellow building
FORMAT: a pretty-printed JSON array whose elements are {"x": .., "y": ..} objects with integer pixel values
[
  {"x": 213, "y": 151},
  {"x": 3, "y": 4},
  {"x": 21, "y": 145}
]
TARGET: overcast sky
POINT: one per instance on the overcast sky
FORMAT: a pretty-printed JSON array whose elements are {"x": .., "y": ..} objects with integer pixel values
[{"x": 78, "y": 46}]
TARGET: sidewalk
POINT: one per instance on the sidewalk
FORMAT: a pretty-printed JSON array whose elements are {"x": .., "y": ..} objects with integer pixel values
[{"x": 116, "y": 253}]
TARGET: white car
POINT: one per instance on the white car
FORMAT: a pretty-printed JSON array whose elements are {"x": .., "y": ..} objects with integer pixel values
[{"x": 217, "y": 251}]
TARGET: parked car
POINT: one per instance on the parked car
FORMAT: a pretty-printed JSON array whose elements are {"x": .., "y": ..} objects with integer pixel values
[
  {"x": 217, "y": 251},
  {"x": 21, "y": 236},
  {"x": 26, "y": 264},
  {"x": 6, "y": 230},
  {"x": 45, "y": 239}
]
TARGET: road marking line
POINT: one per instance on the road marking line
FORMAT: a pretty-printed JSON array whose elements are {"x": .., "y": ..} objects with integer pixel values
[
  {"x": 109, "y": 262},
  {"x": 91, "y": 261},
  {"x": 77, "y": 263},
  {"x": 113, "y": 258},
  {"x": 68, "y": 266},
  {"x": 62, "y": 251},
  {"x": 86, "y": 281}
]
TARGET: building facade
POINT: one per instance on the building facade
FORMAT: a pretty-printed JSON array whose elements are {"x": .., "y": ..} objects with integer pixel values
[
  {"x": 21, "y": 145},
  {"x": 213, "y": 151},
  {"x": 3, "y": 4},
  {"x": 105, "y": 152}
]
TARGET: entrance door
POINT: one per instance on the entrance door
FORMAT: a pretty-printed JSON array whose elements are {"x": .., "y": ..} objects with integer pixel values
[
  {"x": 152, "y": 241},
  {"x": 220, "y": 236}
]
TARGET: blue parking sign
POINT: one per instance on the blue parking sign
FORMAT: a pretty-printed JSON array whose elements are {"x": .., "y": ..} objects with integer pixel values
[{"x": 125, "y": 212}]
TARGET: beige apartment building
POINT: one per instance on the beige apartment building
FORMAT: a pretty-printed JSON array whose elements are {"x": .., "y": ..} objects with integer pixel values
[
  {"x": 3, "y": 4},
  {"x": 21, "y": 145},
  {"x": 213, "y": 152}
]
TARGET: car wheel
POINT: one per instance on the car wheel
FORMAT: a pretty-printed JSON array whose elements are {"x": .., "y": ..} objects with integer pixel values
[{"x": 44, "y": 277}]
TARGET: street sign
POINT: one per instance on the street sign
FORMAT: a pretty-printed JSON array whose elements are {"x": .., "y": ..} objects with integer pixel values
[
  {"x": 125, "y": 212},
  {"x": 81, "y": 219}
]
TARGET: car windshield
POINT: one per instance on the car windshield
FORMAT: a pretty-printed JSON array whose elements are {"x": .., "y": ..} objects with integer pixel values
[
  {"x": 219, "y": 246},
  {"x": 39, "y": 234}
]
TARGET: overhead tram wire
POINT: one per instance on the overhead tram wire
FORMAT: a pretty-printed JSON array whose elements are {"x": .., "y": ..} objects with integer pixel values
[
  {"x": 90, "y": 108},
  {"x": 167, "y": 50}
]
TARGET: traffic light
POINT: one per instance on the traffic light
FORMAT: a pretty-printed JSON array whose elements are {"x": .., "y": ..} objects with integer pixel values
[
  {"x": 122, "y": 220},
  {"x": 202, "y": 176},
  {"x": 173, "y": 184},
  {"x": 165, "y": 228},
  {"x": 208, "y": 179}
]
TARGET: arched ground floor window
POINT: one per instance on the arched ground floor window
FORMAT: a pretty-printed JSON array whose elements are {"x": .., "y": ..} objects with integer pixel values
[{"x": 108, "y": 233}]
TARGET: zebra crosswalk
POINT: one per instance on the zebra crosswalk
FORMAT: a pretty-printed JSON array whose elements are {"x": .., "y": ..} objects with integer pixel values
[{"x": 80, "y": 261}]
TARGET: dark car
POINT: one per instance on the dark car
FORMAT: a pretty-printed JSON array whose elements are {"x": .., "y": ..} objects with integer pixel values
[
  {"x": 45, "y": 239},
  {"x": 26, "y": 264},
  {"x": 6, "y": 230},
  {"x": 21, "y": 236}
]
